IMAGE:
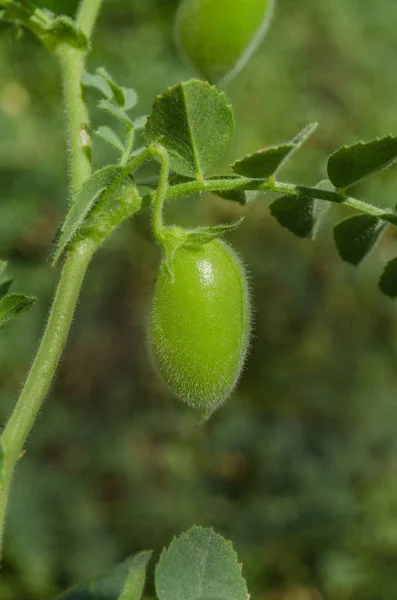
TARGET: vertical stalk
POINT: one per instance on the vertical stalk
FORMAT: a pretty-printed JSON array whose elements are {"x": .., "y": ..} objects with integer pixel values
[
  {"x": 57, "y": 329},
  {"x": 78, "y": 135}
]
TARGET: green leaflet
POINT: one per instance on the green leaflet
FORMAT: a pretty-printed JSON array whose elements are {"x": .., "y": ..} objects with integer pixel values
[
  {"x": 388, "y": 280},
  {"x": 200, "y": 564},
  {"x": 267, "y": 161},
  {"x": 194, "y": 123},
  {"x": 135, "y": 582},
  {"x": 12, "y": 305},
  {"x": 263, "y": 163},
  {"x": 301, "y": 214},
  {"x": 108, "y": 135},
  {"x": 126, "y": 578},
  {"x": 355, "y": 237},
  {"x": 352, "y": 163}
]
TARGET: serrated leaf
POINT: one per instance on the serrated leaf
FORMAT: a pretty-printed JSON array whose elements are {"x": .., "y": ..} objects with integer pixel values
[
  {"x": 264, "y": 162},
  {"x": 194, "y": 123},
  {"x": 12, "y": 305},
  {"x": 199, "y": 564},
  {"x": 388, "y": 280},
  {"x": 83, "y": 202},
  {"x": 108, "y": 586},
  {"x": 135, "y": 583},
  {"x": 352, "y": 163},
  {"x": 108, "y": 135},
  {"x": 267, "y": 161},
  {"x": 63, "y": 30},
  {"x": 115, "y": 111},
  {"x": 356, "y": 236},
  {"x": 5, "y": 286},
  {"x": 96, "y": 82},
  {"x": 302, "y": 214},
  {"x": 296, "y": 213}
]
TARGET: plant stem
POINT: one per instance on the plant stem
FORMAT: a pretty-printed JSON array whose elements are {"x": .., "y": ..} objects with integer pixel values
[
  {"x": 87, "y": 15},
  {"x": 73, "y": 63},
  {"x": 56, "y": 332},
  {"x": 78, "y": 136},
  {"x": 44, "y": 366},
  {"x": 161, "y": 155},
  {"x": 242, "y": 183},
  {"x": 49, "y": 352}
]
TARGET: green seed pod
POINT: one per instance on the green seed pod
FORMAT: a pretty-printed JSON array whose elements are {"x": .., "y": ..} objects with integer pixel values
[
  {"x": 219, "y": 36},
  {"x": 200, "y": 322}
]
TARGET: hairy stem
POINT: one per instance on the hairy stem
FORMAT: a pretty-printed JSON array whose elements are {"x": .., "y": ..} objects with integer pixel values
[
  {"x": 161, "y": 155},
  {"x": 49, "y": 352},
  {"x": 44, "y": 366},
  {"x": 87, "y": 16},
  {"x": 73, "y": 63},
  {"x": 269, "y": 185},
  {"x": 78, "y": 133},
  {"x": 56, "y": 332}
]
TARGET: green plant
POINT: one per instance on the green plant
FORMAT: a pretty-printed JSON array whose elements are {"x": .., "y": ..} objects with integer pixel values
[{"x": 179, "y": 135}]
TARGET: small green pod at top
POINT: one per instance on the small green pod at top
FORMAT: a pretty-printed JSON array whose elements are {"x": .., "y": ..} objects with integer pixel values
[
  {"x": 200, "y": 323},
  {"x": 219, "y": 36}
]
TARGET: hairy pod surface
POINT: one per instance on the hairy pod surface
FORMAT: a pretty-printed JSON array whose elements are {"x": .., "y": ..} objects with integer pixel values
[
  {"x": 200, "y": 323},
  {"x": 218, "y": 36}
]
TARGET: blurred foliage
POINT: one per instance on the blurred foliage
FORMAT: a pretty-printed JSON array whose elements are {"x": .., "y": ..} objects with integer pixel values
[{"x": 299, "y": 468}]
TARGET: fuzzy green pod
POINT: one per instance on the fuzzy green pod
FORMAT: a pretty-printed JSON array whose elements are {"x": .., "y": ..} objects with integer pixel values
[
  {"x": 219, "y": 36},
  {"x": 200, "y": 323}
]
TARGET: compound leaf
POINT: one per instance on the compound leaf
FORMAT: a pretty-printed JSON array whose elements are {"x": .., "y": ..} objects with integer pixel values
[
  {"x": 352, "y": 163},
  {"x": 12, "y": 305},
  {"x": 199, "y": 564},
  {"x": 356, "y": 236},
  {"x": 194, "y": 123},
  {"x": 83, "y": 202}
]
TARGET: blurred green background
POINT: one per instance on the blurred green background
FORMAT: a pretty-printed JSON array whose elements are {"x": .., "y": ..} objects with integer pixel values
[{"x": 299, "y": 468}]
